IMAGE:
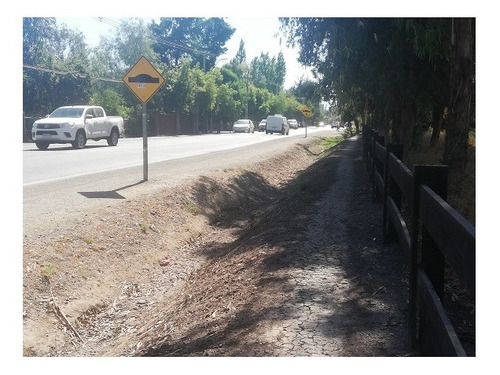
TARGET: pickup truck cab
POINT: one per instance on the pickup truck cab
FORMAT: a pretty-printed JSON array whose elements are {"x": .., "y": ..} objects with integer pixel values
[{"x": 75, "y": 125}]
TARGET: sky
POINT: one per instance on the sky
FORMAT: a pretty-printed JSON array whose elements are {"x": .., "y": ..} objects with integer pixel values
[{"x": 258, "y": 34}]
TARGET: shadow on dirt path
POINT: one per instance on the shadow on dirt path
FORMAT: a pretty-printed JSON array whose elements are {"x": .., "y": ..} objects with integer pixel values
[{"x": 308, "y": 273}]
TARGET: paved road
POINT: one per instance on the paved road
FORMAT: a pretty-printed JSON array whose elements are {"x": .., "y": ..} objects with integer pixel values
[
  {"x": 85, "y": 185},
  {"x": 61, "y": 161}
]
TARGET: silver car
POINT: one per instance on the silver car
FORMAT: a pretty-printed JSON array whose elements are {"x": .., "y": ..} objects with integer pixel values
[
  {"x": 293, "y": 124},
  {"x": 243, "y": 126},
  {"x": 262, "y": 125}
]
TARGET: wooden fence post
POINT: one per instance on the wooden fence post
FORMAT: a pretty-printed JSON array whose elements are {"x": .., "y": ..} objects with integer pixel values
[
  {"x": 371, "y": 167},
  {"x": 392, "y": 190},
  {"x": 432, "y": 261},
  {"x": 364, "y": 132},
  {"x": 377, "y": 167}
]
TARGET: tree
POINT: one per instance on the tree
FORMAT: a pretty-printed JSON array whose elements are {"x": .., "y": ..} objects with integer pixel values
[
  {"x": 462, "y": 89},
  {"x": 200, "y": 39},
  {"x": 227, "y": 108},
  {"x": 394, "y": 72},
  {"x": 112, "y": 102},
  {"x": 280, "y": 70},
  {"x": 268, "y": 72},
  {"x": 133, "y": 40},
  {"x": 37, "y": 35},
  {"x": 56, "y": 66},
  {"x": 241, "y": 55}
]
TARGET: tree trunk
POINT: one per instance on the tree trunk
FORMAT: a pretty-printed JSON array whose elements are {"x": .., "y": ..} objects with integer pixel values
[
  {"x": 462, "y": 83},
  {"x": 408, "y": 121},
  {"x": 397, "y": 126},
  {"x": 365, "y": 119},
  {"x": 178, "y": 123},
  {"x": 437, "y": 122}
]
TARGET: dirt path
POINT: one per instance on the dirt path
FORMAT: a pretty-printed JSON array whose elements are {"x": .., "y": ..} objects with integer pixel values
[
  {"x": 283, "y": 258},
  {"x": 347, "y": 287}
]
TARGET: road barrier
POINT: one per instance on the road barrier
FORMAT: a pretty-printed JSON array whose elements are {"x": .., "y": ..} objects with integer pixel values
[{"x": 433, "y": 235}]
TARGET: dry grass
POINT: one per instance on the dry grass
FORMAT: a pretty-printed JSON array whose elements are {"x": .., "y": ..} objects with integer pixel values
[{"x": 461, "y": 185}]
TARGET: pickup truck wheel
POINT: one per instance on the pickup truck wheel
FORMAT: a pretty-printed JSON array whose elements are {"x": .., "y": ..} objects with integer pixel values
[
  {"x": 42, "y": 145},
  {"x": 80, "y": 140},
  {"x": 113, "y": 138}
]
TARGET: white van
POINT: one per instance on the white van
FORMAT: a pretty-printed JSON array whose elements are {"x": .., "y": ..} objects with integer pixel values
[{"x": 277, "y": 124}]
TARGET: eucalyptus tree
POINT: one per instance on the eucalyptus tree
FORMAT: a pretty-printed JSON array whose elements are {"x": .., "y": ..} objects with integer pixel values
[
  {"x": 462, "y": 91},
  {"x": 398, "y": 70}
]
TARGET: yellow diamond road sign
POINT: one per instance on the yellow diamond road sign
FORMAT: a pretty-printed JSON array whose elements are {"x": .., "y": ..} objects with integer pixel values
[
  {"x": 143, "y": 80},
  {"x": 306, "y": 111}
]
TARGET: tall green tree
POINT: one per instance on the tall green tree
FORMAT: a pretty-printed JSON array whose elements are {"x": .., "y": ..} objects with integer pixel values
[
  {"x": 268, "y": 72},
  {"x": 394, "y": 71},
  {"x": 280, "y": 70},
  {"x": 201, "y": 39},
  {"x": 241, "y": 55},
  {"x": 56, "y": 66}
]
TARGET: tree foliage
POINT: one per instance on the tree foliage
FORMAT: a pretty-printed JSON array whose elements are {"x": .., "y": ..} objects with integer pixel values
[
  {"x": 55, "y": 61},
  {"x": 61, "y": 69},
  {"x": 268, "y": 72},
  {"x": 395, "y": 73},
  {"x": 200, "y": 39}
]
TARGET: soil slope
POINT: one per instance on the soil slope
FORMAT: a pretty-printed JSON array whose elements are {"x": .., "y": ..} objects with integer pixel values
[{"x": 282, "y": 258}]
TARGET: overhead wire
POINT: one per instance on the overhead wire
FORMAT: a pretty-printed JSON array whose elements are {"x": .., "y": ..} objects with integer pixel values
[
  {"x": 115, "y": 24},
  {"x": 160, "y": 40},
  {"x": 76, "y": 74}
]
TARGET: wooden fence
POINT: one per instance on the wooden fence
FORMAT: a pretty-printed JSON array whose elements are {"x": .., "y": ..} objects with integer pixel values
[{"x": 433, "y": 235}]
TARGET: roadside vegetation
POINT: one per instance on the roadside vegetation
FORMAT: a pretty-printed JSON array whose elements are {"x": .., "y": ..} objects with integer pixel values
[
  {"x": 404, "y": 77},
  {"x": 60, "y": 68}
]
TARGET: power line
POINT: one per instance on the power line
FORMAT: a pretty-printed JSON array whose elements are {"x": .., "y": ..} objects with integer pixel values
[
  {"x": 76, "y": 74},
  {"x": 161, "y": 40},
  {"x": 115, "y": 24}
]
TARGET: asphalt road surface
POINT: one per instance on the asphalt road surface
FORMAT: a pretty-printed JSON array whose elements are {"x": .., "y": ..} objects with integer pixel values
[
  {"x": 61, "y": 181},
  {"x": 62, "y": 161}
]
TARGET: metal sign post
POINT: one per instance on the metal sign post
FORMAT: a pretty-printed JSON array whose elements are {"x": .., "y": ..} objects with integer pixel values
[
  {"x": 144, "y": 81},
  {"x": 144, "y": 143},
  {"x": 306, "y": 112}
]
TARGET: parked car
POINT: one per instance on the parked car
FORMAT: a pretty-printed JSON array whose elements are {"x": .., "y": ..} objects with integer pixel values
[
  {"x": 243, "y": 126},
  {"x": 262, "y": 125},
  {"x": 293, "y": 123}
]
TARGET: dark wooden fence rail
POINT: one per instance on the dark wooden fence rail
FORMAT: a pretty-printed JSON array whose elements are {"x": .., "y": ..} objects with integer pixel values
[{"x": 438, "y": 236}]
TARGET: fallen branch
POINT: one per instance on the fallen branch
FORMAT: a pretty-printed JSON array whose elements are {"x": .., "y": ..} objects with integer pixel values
[{"x": 64, "y": 319}]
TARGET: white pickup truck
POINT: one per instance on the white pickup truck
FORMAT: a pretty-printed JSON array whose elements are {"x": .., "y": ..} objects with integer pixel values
[{"x": 76, "y": 124}]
